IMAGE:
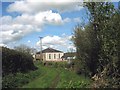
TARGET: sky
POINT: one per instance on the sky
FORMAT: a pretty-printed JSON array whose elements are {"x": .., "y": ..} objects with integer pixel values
[{"x": 24, "y": 21}]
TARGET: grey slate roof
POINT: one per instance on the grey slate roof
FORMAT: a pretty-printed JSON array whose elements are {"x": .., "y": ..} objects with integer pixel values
[
  {"x": 49, "y": 50},
  {"x": 69, "y": 55}
]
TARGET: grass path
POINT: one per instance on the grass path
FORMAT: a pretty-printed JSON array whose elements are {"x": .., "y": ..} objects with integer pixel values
[
  {"x": 55, "y": 81},
  {"x": 56, "y": 78},
  {"x": 44, "y": 80}
]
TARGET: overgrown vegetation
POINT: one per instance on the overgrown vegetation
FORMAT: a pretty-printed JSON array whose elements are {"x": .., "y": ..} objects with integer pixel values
[
  {"x": 14, "y": 61},
  {"x": 51, "y": 75},
  {"x": 57, "y": 78},
  {"x": 98, "y": 48},
  {"x": 98, "y": 45},
  {"x": 19, "y": 79}
]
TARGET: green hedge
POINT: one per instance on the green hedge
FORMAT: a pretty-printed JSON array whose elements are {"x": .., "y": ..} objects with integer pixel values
[{"x": 14, "y": 61}]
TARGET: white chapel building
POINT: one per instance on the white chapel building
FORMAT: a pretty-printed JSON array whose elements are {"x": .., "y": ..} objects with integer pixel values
[{"x": 50, "y": 54}]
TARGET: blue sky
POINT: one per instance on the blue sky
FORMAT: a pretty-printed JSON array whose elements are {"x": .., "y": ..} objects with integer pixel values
[{"x": 24, "y": 22}]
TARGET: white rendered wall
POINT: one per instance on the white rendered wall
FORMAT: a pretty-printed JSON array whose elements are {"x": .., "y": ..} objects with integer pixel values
[{"x": 52, "y": 56}]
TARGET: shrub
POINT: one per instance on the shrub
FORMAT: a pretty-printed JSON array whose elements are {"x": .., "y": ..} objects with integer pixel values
[{"x": 14, "y": 61}]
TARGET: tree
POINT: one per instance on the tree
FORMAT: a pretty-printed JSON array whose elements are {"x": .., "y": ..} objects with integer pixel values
[
  {"x": 25, "y": 49},
  {"x": 83, "y": 40},
  {"x": 103, "y": 37}
]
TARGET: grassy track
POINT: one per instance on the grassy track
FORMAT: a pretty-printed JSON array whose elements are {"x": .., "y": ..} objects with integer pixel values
[
  {"x": 57, "y": 78},
  {"x": 44, "y": 80}
]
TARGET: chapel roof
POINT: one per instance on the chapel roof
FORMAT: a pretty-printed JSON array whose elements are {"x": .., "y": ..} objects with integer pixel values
[{"x": 51, "y": 50}]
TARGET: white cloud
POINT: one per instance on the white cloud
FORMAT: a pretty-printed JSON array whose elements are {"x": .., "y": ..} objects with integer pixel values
[
  {"x": 16, "y": 28},
  {"x": 56, "y": 42},
  {"x": 6, "y": 20},
  {"x": 28, "y": 41},
  {"x": 3, "y": 45},
  {"x": 52, "y": 40},
  {"x": 34, "y": 16},
  {"x": 48, "y": 17},
  {"x": 77, "y": 20},
  {"x": 67, "y": 20},
  {"x": 35, "y": 6},
  {"x": 71, "y": 48}
]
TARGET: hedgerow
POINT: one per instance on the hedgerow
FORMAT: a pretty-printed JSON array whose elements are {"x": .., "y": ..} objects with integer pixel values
[{"x": 14, "y": 61}]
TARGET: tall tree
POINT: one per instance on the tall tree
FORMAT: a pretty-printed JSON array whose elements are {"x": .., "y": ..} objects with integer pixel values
[
  {"x": 98, "y": 45},
  {"x": 101, "y": 13}
]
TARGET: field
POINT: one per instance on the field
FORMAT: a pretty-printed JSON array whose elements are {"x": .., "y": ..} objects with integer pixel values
[{"x": 51, "y": 77}]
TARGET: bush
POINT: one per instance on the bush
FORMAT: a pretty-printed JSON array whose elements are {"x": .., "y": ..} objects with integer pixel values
[
  {"x": 14, "y": 61},
  {"x": 19, "y": 79}
]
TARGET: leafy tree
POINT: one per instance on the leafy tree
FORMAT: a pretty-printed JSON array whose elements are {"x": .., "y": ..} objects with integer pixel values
[
  {"x": 83, "y": 40},
  {"x": 25, "y": 49},
  {"x": 98, "y": 45}
]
